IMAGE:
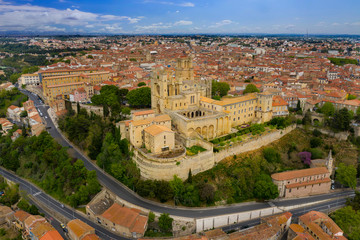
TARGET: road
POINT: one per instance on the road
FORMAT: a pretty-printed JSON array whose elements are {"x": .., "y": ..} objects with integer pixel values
[
  {"x": 56, "y": 206},
  {"x": 123, "y": 192},
  {"x": 324, "y": 207}
]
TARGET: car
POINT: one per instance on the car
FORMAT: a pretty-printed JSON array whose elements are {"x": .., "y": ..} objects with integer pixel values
[
  {"x": 332, "y": 187},
  {"x": 48, "y": 127},
  {"x": 45, "y": 117},
  {"x": 62, "y": 205},
  {"x": 63, "y": 227}
]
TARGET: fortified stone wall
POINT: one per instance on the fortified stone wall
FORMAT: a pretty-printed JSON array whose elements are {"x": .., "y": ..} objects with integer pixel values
[
  {"x": 95, "y": 109},
  {"x": 152, "y": 168},
  {"x": 166, "y": 168},
  {"x": 256, "y": 143}
]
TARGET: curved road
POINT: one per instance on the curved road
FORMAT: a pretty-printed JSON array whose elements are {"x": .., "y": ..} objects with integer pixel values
[
  {"x": 57, "y": 206},
  {"x": 123, "y": 192}
]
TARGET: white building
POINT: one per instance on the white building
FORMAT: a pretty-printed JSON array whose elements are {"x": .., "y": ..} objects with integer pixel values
[{"x": 30, "y": 79}]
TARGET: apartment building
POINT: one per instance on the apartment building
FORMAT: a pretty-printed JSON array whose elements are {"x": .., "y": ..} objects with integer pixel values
[
  {"x": 29, "y": 79},
  {"x": 60, "y": 87}
]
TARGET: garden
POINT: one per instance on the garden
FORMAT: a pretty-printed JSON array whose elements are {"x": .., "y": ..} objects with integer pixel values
[{"x": 247, "y": 132}]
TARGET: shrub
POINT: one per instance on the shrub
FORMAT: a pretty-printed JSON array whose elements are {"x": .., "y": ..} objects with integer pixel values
[
  {"x": 151, "y": 217},
  {"x": 316, "y": 153},
  {"x": 315, "y": 142},
  {"x": 305, "y": 157},
  {"x": 316, "y": 133},
  {"x": 271, "y": 155},
  {"x": 165, "y": 222}
]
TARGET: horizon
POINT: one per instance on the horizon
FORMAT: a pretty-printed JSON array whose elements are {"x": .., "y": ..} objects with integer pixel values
[{"x": 197, "y": 17}]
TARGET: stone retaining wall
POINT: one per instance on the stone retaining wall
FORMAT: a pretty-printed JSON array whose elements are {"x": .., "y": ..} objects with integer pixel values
[
  {"x": 204, "y": 224},
  {"x": 179, "y": 166},
  {"x": 254, "y": 144},
  {"x": 151, "y": 168}
]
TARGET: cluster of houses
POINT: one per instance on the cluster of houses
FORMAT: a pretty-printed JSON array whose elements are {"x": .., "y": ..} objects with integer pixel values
[
  {"x": 33, "y": 227},
  {"x": 27, "y": 115}
]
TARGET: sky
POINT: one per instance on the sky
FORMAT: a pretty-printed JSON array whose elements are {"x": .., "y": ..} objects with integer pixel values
[{"x": 182, "y": 17}]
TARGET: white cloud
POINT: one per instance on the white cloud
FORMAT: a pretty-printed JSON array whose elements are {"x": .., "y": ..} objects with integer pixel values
[
  {"x": 29, "y": 17},
  {"x": 221, "y": 23},
  {"x": 152, "y": 27},
  {"x": 181, "y": 4},
  {"x": 336, "y": 24},
  {"x": 183, "y": 23},
  {"x": 186, "y": 4}
]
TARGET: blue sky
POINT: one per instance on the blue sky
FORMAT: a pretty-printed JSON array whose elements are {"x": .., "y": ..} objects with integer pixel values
[{"x": 173, "y": 16}]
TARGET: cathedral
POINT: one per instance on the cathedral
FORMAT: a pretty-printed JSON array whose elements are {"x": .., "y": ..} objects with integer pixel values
[{"x": 188, "y": 102}]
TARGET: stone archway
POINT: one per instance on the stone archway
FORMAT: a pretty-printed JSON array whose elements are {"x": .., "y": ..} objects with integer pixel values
[
  {"x": 190, "y": 131},
  {"x": 211, "y": 132},
  {"x": 205, "y": 132},
  {"x": 198, "y": 130}
]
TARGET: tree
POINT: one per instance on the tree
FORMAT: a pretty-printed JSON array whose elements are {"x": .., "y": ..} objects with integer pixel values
[
  {"x": 298, "y": 106},
  {"x": 206, "y": 192},
  {"x": 315, "y": 142},
  {"x": 351, "y": 97},
  {"x": 316, "y": 133},
  {"x": 105, "y": 110},
  {"x": 358, "y": 111},
  {"x": 271, "y": 155},
  {"x": 305, "y": 157},
  {"x": 189, "y": 179},
  {"x": 349, "y": 221},
  {"x": 265, "y": 189},
  {"x": 140, "y": 84},
  {"x": 354, "y": 202},
  {"x": 307, "y": 118},
  {"x": 151, "y": 217},
  {"x": 328, "y": 109},
  {"x": 78, "y": 107},
  {"x": 250, "y": 88},
  {"x": 165, "y": 222},
  {"x": 163, "y": 191},
  {"x": 140, "y": 97},
  {"x": 346, "y": 175},
  {"x": 178, "y": 189},
  {"x": 316, "y": 153},
  {"x": 219, "y": 88},
  {"x": 23, "y": 114},
  {"x": 341, "y": 120},
  {"x": 126, "y": 111}
]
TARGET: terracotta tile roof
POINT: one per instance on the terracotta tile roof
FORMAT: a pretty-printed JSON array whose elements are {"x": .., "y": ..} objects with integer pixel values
[
  {"x": 297, "y": 228},
  {"x": 52, "y": 235},
  {"x": 39, "y": 229},
  {"x": 314, "y": 219},
  {"x": 91, "y": 237},
  {"x": 161, "y": 118},
  {"x": 125, "y": 217},
  {"x": 21, "y": 215},
  {"x": 279, "y": 101},
  {"x": 139, "y": 224},
  {"x": 156, "y": 129},
  {"x": 299, "y": 173},
  {"x": 294, "y": 185},
  {"x": 143, "y": 112},
  {"x": 12, "y": 107},
  {"x": 33, "y": 218},
  {"x": 79, "y": 228}
]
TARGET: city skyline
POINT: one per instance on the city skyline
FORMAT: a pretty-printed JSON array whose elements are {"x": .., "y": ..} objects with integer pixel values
[{"x": 180, "y": 17}]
